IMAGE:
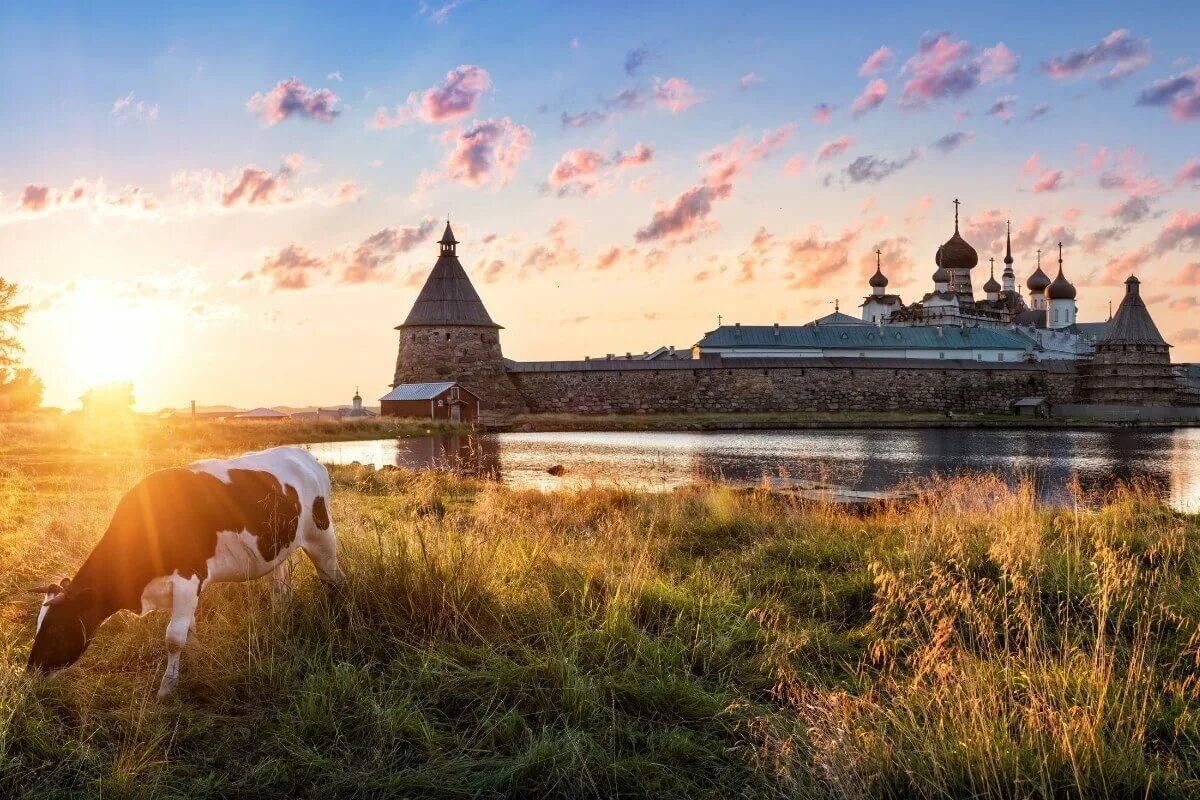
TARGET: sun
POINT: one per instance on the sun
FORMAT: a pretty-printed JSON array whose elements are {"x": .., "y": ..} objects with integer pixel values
[{"x": 103, "y": 342}]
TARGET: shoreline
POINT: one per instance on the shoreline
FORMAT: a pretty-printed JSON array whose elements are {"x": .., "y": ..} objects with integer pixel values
[{"x": 563, "y": 423}]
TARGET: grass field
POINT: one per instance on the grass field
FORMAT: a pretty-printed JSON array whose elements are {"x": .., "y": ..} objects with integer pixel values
[{"x": 702, "y": 643}]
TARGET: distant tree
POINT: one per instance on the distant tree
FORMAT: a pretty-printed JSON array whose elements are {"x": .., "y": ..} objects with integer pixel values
[
  {"x": 20, "y": 389},
  {"x": 108, "y": 398}
]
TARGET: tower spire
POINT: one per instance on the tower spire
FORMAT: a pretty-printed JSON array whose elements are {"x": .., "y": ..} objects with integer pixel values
[
  {"x": 1008, "y": 259},
  {"x": 448, "y": 242},
  {"x": 956, "y": 215}
]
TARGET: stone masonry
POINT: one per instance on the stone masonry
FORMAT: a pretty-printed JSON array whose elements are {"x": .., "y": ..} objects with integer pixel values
[
  {"x": 469, "y": 355},
  {"x": 757, "y": 385}
]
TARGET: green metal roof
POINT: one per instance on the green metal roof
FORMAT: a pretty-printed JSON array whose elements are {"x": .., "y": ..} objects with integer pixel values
[{"x": 855, "y": 337}]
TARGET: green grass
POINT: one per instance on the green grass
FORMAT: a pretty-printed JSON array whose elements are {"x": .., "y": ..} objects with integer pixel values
[{"x": 704, "y": 643}]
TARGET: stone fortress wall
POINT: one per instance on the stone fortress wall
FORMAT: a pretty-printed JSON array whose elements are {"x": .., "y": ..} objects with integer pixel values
[{"x": 776, "y": 384}]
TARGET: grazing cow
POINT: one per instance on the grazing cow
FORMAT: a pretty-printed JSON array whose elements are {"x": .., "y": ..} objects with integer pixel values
[{"x": 181, "y": 529}]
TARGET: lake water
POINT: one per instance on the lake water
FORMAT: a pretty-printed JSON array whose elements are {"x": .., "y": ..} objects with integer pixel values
[{"x": 857, "y": 459}]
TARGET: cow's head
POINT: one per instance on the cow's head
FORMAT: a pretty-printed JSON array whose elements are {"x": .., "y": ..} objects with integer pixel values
[{"x": 64, "y": 626}]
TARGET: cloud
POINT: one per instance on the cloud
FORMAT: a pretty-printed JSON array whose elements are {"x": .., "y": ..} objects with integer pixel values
[
  {"x": 1189, "y": 173},
  {"x": 873, "y": 169},
  {"x": 871, "y": 98},
  {"x": 127, "y": 109},
  {"x": 1048, "y": 181},
  {"x": 1179, "y": 94},
  {"x": 290, "y": 268},
  {"x": 1002, "y": 108},
  {"x": 487, "y": 152},
  {"x": 372, "y": 261},
  {"x": 39, "y": 200},
  {"x": 794, "y": 165},
  {"x": 586, "y": 170},
  {"x": 1127, "y": 175},
  {"x": 292, "y": 98},
  {"x": 834, "y": 147},
  {"x": 814, "y": 260},
  {"x": 1135, "y": 209},
  {"x": 1038, "y": 110},
  {"x": 1117, "y": 55},
  {"x": 456, "y": 97},
  {"x": 1188, "y": 275},
  {"x": 334, "y": 76},
  {"x": 630, "y": 99},
  {"x": 821, "y": 113},
  {"x": 952, "y": 141},
  {"x": 687, "y": 215},
  {"x": 879, "y": 61},
  {"x": 552, "y": 252},
  {"x": 749, "y": 81},
  {"x": 675, "y": 94},
  {"x": 757, "y": 255},
  {"x": 440, "y": 12},
  {"x": 611, "y": 256},
  {"x": 1182, "y": 230},
  {"x": 946, "y": 69},
  {"x": 635, "y": 58},
  {"x": 251, "y": 187}
]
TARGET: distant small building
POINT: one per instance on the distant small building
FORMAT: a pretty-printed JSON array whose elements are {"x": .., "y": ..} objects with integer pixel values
[
  {"x": 663, "y": 353},
  {"x": 1031, "y": 407},
  {"x": 356, "y": 410},
  {"x": 445, "y": 401},
  {"x": 264, "y": 414}
]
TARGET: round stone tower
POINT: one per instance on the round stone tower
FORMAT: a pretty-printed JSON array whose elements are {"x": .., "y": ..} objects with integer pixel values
[
  {"x": 449, "y": 336},
  {"x": 1132, "y": 363}
]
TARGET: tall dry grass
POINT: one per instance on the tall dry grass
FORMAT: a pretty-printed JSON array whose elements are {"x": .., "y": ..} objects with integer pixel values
[{"x": 703, "y": 643}]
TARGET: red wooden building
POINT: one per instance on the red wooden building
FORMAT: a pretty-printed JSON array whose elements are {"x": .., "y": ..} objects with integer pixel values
[{"x": 446, "y": 401}]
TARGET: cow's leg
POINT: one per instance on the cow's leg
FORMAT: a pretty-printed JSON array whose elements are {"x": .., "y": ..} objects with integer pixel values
[
  {"x": 322, "y": 549},
  {"x": 281, "y": 582},
  {"x": 185, "y": 595}
]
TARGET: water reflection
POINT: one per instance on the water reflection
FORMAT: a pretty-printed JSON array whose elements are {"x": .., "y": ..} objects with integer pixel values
[{"x": 1168, "y": 459}]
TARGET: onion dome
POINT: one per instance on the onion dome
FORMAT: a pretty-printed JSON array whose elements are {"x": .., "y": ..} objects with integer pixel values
[
  {"x": 956, "y": 253},
  {"x": 1008, "y": 259},
  {"x": 941, "y": 275},
  {"x": 992, "y": 286},
  {"x": 1038, "y": 281},
  {"x": 878, "y": 280},
  {"x": 1061, "y": 288}
]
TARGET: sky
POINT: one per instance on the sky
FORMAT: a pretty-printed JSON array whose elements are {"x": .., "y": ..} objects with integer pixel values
[{"x": 237, "y": 202}]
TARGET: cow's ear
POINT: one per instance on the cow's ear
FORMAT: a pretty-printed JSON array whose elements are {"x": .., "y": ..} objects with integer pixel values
[
  {"x": 47, "y": 589},
  {"x": 65, "y": 583}
]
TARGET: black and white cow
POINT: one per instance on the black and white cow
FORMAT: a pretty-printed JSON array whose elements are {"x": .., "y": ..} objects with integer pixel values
[{"x": 179, "y": 530}]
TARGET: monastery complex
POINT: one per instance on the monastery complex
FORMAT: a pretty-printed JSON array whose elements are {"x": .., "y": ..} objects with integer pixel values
[{"x": 949, "y": 351}]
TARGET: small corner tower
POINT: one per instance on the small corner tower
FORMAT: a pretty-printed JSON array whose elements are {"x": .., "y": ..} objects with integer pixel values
[{"x": 449, "y": 336}]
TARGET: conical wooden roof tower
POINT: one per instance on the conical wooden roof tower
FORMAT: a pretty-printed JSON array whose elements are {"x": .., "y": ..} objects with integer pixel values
[{"x": 448, "y": 298}]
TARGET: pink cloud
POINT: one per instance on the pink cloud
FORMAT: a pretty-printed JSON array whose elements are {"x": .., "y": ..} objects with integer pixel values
[
  {"x": 821, "y": 113},
  {"x": 675, "y": 94},
  {"x": 757, "y": 255},
  {"x": 882, "y": 59},
  {"x": 814, "y": 260},
  {"x": 834, "y": 147},
  {"x": 794, "y": 165},
  {"x": 871, "y": 98},
  {"x": 1179, "y": 94},
  {"x": 585, "y": 170},
  {"x": 454, "y": 98},
  {"x": 35, "y": 198},
  {"x": 1120, "y": 52},
  {"x": 944, "y": 68},
  {"x": 1048, "y": 181},
  {"x": 373, "y": 261},
  {"x": 290, "y": 268},
  {"x": 1188, "y": 275},
  {"x": 687, "y": 216},
  {"x": 1190, "y": 173},
  {"x": 748, "y": 81},
  {"x": 611, "y": 256},
  {"x": 487, "y": 152},
  {"x": 291, "y": 98}
]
